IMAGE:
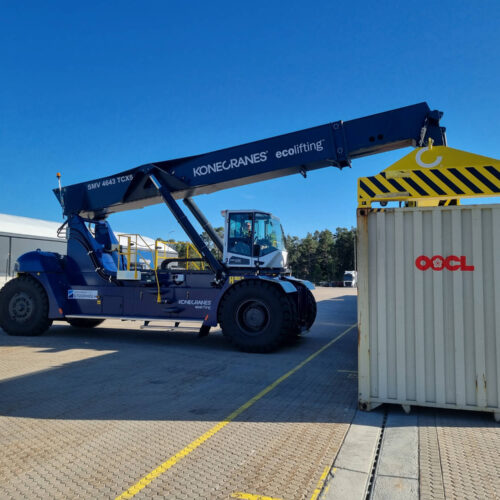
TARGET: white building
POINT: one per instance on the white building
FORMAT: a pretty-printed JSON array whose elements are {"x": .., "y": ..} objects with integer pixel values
[{"x": 19, "y": 235}]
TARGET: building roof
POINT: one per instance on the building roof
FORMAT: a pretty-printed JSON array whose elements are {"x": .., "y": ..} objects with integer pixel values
[{"x": 14, "y": 224}]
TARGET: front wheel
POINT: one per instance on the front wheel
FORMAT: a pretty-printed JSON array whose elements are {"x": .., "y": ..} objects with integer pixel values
[
  {"x": 24, "y": 307},
  {"x": 256, "y": 316}
]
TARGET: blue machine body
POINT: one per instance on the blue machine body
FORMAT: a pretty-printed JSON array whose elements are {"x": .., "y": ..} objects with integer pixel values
[{"x": 85, "y": 283}]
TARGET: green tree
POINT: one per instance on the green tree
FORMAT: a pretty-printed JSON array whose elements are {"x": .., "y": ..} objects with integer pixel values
[
  {"x": 343, "y": 251},
  {"x": 325, "y": 255},
  {"x": 292, "y": 244},
  {"x": 180, "y": 247},
  {"x": 322, "y": 255},
  {"x": 210, "y": 244}
]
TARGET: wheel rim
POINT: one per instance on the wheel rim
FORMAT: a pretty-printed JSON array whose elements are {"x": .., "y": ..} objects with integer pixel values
[
  {"x": 253, "y": 317},
  {"x": 21, "y": 307}
]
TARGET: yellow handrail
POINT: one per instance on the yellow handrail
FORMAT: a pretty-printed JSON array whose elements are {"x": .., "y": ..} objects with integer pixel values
[
  {"x": 159, "y": 254},
  {"x": 190, "y": 248},
  {"x": 132, "y": 250}
]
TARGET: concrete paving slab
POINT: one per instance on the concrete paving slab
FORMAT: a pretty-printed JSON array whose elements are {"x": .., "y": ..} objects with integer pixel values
[
  {"x": 359, "y": 445},
  {"x": 399, "y": 450},
  {"x": 346, "y": 485},
  {"x": 395, "y": 488},
  {"x": 353, "y": 464}
]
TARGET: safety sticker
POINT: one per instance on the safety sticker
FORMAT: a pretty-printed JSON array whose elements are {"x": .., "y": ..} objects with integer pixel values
[{"x": 83, "y": 294}]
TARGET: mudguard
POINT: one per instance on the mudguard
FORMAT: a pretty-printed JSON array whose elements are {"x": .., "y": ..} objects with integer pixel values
[
  {"x": 306, "y": 283},
  {"x": 38, "y": 261},
  {"x": 46, "y": 268},
  {"x": 285, "y": 285},
  {"x": 212, "y": 317}
]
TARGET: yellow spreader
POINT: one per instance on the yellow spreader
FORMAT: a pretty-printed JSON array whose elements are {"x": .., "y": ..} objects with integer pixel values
[{"x": 432, "y": 176}]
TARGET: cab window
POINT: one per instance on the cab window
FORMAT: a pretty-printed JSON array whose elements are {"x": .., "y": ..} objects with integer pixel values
[
  {"x": 268, "y": 234},
  {"x": 240, "y": 237}
]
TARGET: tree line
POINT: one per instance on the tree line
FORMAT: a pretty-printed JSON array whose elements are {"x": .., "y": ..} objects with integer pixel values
[{"x": 321, "y": 256}]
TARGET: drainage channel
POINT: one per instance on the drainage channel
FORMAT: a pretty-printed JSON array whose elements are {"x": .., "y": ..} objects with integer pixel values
[{"x": 371, "y": 479}]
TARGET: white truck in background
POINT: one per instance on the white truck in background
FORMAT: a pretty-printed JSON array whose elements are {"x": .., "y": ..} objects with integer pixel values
[{"x": 351, "y": 278}]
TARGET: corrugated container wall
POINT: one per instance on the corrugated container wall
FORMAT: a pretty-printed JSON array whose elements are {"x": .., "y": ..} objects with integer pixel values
[{"x": 429, "y": 307}]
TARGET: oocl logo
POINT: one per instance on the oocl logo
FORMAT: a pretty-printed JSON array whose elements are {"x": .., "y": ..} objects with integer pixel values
[{"x": 439, "y": 263}]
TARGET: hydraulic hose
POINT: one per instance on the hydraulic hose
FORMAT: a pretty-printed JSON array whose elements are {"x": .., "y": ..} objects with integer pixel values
[{"x": 95, "y": 262}]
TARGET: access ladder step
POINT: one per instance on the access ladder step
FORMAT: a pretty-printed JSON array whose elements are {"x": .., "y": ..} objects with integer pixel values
[{"x": 172, "y": 326}]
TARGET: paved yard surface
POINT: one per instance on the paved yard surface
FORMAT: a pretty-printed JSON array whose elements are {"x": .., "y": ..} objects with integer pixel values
[
  {"x": 88, "y": 413},
  {"x": 119, "y": 411}
]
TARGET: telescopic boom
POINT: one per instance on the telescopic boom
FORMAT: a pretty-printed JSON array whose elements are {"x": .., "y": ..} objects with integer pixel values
[{"x": 334, "y": 144}]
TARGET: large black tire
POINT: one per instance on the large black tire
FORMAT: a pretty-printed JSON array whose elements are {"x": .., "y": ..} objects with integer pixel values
[
  {"x": 84, "y": 322},
  {"x": 24, "y": 307},
  {"x": 312, "y": 309},
  {"x": 308, "y": 319},
  {"x": 256, "y": 316}
]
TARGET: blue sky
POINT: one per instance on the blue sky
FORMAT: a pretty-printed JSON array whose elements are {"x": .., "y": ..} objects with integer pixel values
[{"x": 94, "y": 88}]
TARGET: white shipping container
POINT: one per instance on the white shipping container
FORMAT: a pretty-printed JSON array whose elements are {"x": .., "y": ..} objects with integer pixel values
[{"x": 429, "y": 307}]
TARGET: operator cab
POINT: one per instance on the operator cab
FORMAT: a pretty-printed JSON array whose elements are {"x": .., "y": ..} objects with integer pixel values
[{"x": 253, "y": 239}]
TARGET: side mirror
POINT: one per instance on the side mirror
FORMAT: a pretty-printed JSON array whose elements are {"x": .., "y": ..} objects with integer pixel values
[{"x": 256, "y": 250}]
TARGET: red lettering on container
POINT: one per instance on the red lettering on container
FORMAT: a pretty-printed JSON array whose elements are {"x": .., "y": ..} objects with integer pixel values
[
  {"x": 464, "y": 265},
  {"x": 438, "y": 263},
  {"x": 450, "y": 266}
]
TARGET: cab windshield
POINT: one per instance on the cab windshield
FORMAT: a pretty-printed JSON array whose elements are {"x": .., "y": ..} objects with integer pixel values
[
  {"x": 268, "y": 233},
  {"x": 249, "y": 232}
]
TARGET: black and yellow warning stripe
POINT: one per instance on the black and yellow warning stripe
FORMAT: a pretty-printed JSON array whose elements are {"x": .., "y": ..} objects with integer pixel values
[{"x": 442, "y": 184}]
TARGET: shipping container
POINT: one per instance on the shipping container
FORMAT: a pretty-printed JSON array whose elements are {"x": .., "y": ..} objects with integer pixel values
[{"x": 429, "y": 307}]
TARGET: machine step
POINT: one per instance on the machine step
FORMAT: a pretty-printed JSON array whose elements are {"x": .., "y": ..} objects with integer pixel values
[{"x": 172, "y": 326}]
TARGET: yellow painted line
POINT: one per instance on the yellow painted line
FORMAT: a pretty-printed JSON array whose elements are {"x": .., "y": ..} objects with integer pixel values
[
  {"x": 333, "y": 471},
  {"x": 320, "y": 484},
  {"x": 142, "y": 483},
  {"x": 327, "y": 488},
  {"x": 249, "y": 496}
]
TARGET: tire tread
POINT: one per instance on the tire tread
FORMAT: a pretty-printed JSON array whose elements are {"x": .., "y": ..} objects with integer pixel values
[
  {"x": 43, "y": 323},
  {"x": 285, "y": 305}
]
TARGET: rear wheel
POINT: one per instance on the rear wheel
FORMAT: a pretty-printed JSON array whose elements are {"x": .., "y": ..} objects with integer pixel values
[
  {"x": 24, "y": 307},
  {"x": 308, "y": 316},
  {"x": 84, "y": 322},
  {"x": 256, "y": 316},
  {"x": 311, "y": 310}
]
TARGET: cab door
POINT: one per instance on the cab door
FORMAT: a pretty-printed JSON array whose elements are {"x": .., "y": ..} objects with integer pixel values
[{"x": 239, "y": 240}]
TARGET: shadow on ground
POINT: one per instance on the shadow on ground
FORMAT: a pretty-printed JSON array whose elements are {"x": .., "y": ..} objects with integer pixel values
[
  {"x": 147, "y": 375},
  {"x": 131, "y": 374}
]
